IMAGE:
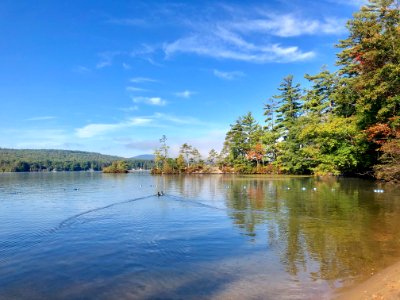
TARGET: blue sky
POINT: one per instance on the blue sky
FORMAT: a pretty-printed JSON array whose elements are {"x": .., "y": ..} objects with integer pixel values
[{"x": 113, "y": 76}]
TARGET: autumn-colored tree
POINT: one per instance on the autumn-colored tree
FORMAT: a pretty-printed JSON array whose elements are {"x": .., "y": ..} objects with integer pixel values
[{"x": 256, "y": 153}]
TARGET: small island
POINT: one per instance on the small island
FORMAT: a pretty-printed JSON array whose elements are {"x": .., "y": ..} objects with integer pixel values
[{"x": 119, "y": 166}]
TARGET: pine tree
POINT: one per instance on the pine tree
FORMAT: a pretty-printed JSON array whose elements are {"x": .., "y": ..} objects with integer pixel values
[
  {"x": 319, "y": 98},
  {"x": 289, "y": 100},
  {"x": 370, "y": 61}
]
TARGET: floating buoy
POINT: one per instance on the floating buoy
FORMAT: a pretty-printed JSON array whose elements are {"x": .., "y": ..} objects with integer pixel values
[
  {"x": 378, "y": 191},
  {"x": 314, "y": 189},
  {"x": 303, "y": 188}
]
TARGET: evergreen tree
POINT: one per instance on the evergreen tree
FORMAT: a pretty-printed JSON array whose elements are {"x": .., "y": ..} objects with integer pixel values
[
  {"x": 370, "y": 61},
  {"x": 319, "y": 98},
  {"x": 289, "y": 100}
]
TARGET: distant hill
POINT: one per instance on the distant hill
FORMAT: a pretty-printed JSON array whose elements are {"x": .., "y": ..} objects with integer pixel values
[
  {"x": 25, "y": 160},
  {"x": 144, "y": 156}
]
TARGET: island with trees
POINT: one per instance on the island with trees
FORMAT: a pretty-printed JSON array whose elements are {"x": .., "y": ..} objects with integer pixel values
[{"x": 345, "y": 122}]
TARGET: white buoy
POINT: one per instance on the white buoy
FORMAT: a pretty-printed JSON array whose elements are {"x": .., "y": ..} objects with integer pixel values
[
  {"x": 303, "y": 188},
  {"x": 378, "y": 191},
  {"x": 314, "y": 189}
]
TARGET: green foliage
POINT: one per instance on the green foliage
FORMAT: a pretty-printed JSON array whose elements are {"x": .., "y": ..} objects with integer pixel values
[
  {"x": 119, "y": 166},
  {"x": 13, "y": 160},
  {"x": 370, "y": 62},
  {"x": 332, "y": 147},
  {"x": 243, "y": 135},
  {"x": 188, "y": 161},
  {"x": 328, "y": 129},
  {"x": 289, "y": 98}
]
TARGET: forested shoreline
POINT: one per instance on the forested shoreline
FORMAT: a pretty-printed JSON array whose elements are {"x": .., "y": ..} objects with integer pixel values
[
  {"x": 42, "y": 160},
  {"x": 345, "y": 122}
]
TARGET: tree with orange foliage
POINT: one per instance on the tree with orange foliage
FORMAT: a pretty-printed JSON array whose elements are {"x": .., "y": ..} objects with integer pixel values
[{"x": 256, "y": 153}]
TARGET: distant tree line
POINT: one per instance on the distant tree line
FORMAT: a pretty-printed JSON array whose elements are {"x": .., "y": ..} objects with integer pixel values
[
  {"x": 344, "y": 122},
  {"x": 20, "y": 160}
]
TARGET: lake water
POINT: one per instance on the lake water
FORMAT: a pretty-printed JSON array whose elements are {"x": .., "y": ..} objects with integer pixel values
[{"x": 103, "y": 236}]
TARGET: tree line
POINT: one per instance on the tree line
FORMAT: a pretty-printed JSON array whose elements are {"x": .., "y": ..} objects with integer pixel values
[
  {"x": 24, "y": 160},
  {"x": 344, "y": 122}
]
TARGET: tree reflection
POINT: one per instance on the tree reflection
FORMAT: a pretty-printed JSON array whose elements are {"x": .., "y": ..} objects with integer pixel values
[{"x": 331, "y": 229}]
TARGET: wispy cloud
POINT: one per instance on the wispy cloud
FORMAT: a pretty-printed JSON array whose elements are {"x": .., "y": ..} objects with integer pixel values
[
  {"x": 144, "y": 49},
  {"x": 135, "y": 89},
  {"x": 142, "y": 79},
  {"x": 157, "y": 101},
  {"x": 256, "y": 36},
  {"x": 97, "y": 129},
  {"x": 81, "y": 69},
  {"x": 130, "y": 108},
  {"x": 35, "y": 138},
  {"x": 42, "y": 118},
  {"x": 155, "y": 120},
  {"x": 106, "y": 58},
  {"x": 227, "y": 45},
  {"x": 228, "y": 75},
  {"x": 126, "y": 66},
  {"x": 178, "y": 119},
  {"x": 185, "y": 94},
  {"x": 288, "y": 25}
]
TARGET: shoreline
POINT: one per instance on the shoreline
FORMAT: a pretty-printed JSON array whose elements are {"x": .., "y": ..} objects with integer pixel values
[{"x": 384, "y": 285}]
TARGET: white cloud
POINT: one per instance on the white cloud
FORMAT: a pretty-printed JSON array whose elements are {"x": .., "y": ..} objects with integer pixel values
[
  {"x": 226, "y": 45},
  {"x": 97, "y": 129},
  {"x": 135, "y": 89},
  {"x": 178, "y": 120},
  {"x": 289, "y": 25},
  {"x": 155, "y": 120},
  {"x": 81, "y": 69},
  {"x": 253, "y": 35},
  {"x": 130, "y": 108},
  {"x": 142, "y": 79},
  {"x": 126, "y": 66},
  {"x": 185, "y": 94},
  {"x": 106, "y": 58},
  {"x": 34, "y": 138},
  {"x": 144, "y": 49},
  {"x": 157, "y": 101},
  {"x": 228, "y": 75},
  {"x": 43, "y": 118}
]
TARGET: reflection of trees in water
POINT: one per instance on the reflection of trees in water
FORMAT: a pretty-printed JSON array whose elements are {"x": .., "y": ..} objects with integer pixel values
[
  {"x": 194, "y": 186},
  {"x": 342, "y": 226},
  {"x": 339, "y": 231}
]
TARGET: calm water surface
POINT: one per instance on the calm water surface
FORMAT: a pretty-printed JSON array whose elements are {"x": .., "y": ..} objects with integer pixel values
[{"x": 101, "y": 236}]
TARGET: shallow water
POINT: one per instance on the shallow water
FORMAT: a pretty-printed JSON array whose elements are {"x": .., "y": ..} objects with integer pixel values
[{"x": 104, "y": 236}]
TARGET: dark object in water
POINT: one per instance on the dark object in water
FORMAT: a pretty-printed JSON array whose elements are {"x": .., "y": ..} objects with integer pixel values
[{"x": 159, "y": 194}]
